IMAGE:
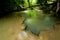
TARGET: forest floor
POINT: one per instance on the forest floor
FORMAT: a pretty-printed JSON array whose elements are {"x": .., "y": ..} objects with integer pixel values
[{"x": 11, "y": 28}]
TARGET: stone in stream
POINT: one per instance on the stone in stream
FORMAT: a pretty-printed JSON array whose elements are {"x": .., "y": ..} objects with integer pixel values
[{"x": 39, "y": 22}]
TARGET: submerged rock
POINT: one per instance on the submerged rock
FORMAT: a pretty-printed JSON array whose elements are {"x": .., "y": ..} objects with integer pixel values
[{"x": 37, "y": 22}]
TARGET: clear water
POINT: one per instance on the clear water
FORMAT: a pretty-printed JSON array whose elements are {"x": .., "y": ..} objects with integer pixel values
[{"x": 36, "y": 21}]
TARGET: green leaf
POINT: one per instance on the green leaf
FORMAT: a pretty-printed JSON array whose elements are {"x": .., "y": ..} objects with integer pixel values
[{"x": 51, "y": 1}]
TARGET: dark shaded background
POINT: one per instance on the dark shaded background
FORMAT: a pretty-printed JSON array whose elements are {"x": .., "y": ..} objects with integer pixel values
[{"x": 9, "y": 6}]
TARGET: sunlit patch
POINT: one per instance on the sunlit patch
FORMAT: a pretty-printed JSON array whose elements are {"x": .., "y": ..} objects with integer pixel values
[
  {"x": 33, "y": 2},
  {"x": 23, "y": 35},
  {"x": 28, "y": 20},
  {"x": 20, "y": 37},
  {"x": 49, "y": 2},
  {"x": 41, "y": 38},
  {"x": 25, "y": 11}
]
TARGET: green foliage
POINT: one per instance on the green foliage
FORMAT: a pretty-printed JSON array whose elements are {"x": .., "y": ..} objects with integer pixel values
[
  {"x": 33, "y": 2},
  {"x": 26, "y": 3},
  {"x": 9, "y": 5},
  {"x": 51, "y": 1},
  {"x": 44, "y": 4},
  {"x": 31, "y": 13},
  {"x": 29, "y": 2},
  {"x": 19, "y": 1}
]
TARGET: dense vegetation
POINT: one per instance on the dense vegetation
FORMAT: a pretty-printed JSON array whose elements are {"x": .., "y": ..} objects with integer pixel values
[{"x": 48, "y": 6}]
